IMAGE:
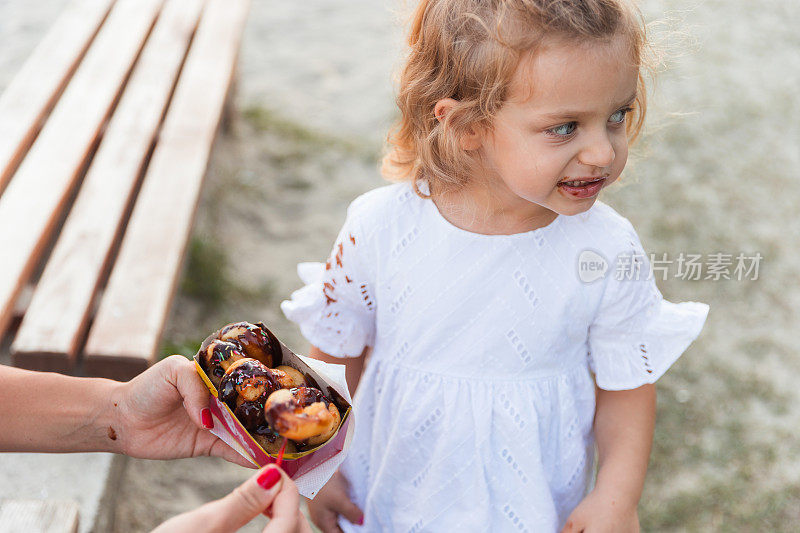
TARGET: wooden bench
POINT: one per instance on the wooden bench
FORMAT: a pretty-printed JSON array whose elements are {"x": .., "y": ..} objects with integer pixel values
[
  {"x": 39, "y": 516},
  {"x": 105, "y": 135}
]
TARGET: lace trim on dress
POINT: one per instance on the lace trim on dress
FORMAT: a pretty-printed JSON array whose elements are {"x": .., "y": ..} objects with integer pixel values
[{"x": 628, "y": 361}]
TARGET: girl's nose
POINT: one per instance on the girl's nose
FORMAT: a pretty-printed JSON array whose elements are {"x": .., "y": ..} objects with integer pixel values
[{"x": 598, "y": 151}]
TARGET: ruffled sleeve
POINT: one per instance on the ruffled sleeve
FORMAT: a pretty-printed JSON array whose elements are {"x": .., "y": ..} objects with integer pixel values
[
  {"x": 335, "y": 309},
  {"x": 637, "y": 335}
]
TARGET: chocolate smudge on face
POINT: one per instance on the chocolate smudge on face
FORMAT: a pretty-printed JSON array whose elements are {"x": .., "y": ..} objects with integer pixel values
[{"x": 111, "y": 433}]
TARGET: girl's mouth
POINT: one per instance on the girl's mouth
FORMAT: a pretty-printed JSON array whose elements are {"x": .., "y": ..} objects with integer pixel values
[{"x": 582, "y": 188}]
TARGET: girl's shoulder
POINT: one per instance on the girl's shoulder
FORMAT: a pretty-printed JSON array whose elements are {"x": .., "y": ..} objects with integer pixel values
[
  {"x": 394, "y": 202},
  {"x": 605, "y": 228},
  {"x": 604, "y": 214}
]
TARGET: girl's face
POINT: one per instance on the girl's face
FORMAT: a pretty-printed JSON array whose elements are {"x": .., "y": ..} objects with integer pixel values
[{"x": 560, "y": 137}]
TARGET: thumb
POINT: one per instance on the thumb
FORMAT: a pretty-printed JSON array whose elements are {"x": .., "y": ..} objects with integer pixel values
[
  {"x": 182, "y": 374},
  {"x": 249, "y": 499}
]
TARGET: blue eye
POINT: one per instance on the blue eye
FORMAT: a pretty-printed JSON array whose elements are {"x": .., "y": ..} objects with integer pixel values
[
  {"x": 619, "y": 116},
  {"x": 563, "y": 130}
]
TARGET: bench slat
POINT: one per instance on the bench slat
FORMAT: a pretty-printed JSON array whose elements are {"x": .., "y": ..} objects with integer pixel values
[
  {"x": 33, "y": 91},
  {"x": 39, "y": 516},
  {"x": 58, "y": 315},
  {"x": 36, "y": 196},
  {"x": 127, "y": 329}
]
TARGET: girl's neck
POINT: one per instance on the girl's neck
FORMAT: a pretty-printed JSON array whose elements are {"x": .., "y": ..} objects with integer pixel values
[{"x": 478, "y": 209}]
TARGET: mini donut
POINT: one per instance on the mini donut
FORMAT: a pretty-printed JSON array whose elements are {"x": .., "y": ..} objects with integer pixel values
[
  {"x": 217, "y": 357},
  {"x": 302, "y": 413},
  {"x": 246, "y": 385},
  {"x": 270, "y": 441},
  {"x": 256, "y": 341},
  {"x": 296, "y": 378}
]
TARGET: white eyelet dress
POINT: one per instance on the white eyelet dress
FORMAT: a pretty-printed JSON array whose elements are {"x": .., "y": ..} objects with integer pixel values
[{"x": 475, "y": 409}]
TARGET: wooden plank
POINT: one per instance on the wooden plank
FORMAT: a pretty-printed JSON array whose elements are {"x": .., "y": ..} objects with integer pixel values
[
  {"x": 38, "y": 193},
  {"x": 130, "y": 320},
  {"x": 56, "y": 320},
  {"x": 33, "y": 91},
  {"x": 39, "y": 516}
]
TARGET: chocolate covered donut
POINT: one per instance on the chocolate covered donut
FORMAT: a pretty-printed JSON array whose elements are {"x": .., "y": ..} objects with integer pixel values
[
  {"x": 217, "y": 357},
  {"x": 270, "y": 441},
  {"x": 302, "y": 414},
  {"x": 256, "y": 341},
  {"x": 294, "y": 378},
  {"x": 245, "y": 387}
]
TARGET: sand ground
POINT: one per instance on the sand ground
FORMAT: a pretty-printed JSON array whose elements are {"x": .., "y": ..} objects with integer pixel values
[{"x": 715, "y": 173}]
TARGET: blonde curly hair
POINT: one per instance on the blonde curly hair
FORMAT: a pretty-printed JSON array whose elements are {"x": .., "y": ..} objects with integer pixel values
[{"x": 469, "y": 50}]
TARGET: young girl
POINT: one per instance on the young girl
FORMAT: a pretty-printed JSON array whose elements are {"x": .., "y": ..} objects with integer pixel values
[{"x": 501, "y": 320}]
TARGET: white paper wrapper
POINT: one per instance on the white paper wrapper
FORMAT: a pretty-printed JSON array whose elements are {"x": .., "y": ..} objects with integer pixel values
[{"x": 310, "y": 483}]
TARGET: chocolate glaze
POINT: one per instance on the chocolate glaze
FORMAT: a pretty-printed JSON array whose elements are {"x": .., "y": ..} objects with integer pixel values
[
  {"x": 276, "y": 410},
  {"x": 255, "y": 340},
  {"x": 305, "y": 396},
  {"x": 334, "y": 396},
  {"x": 337, "y": 399},
  {"x": 251, "y": 414},
  {"x": 275, "y": 345},
  {"x": 237, "y": 378},
  {"x": 217, "y": 352},
  {"x": 267, "y": 432},
  {"x": 311, "y": 381},
  {"x": 301, "y": 397}
]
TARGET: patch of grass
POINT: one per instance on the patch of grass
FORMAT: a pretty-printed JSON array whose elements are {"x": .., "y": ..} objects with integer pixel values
[
  {"x": 186, "y": 347},
  {"x": 729, "y": 505},
  {"x": 296, "y": 183},
  {"x": 706, "y": 436},
  {"x": 290, "y": 158},
  {"x": 205, "y": 278},
  {"x": 264, "y": 119},
  {"x": 757, "y": 347},
  {"x": 266, "y": 291}
]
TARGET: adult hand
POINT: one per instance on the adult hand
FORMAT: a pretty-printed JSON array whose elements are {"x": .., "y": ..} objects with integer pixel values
[
  {"x": 269, "y": 490},
  {"x": 163, "y": 414}
]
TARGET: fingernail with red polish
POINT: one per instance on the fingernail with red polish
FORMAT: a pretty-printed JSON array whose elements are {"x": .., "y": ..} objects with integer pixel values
[
  {"x": 268, "y": 478},
  {"x": 205, "y": 415},
  {"x": 361, "y": 520}
]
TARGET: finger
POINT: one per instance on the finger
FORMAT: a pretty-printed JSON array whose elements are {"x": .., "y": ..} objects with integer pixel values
[
  {"x": 183, "y": 376},
  {"x": 330, "y": 526},
  {"x": 327, "y": 522},
  {"x": 345, "y": 507},
  {"x": 305, "y": 527},
  {"x": 249, "y": 499},
  {"x": 285, "y": 515},
  {"x": 220, "y": 449}
]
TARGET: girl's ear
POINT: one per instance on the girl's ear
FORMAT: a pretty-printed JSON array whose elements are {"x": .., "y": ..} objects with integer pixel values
[
  {"x": 471, "y": 138},
  {"x": 443, "y": 107}
]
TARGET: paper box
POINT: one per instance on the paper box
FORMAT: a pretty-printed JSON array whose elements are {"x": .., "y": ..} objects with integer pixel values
[{"x": 310, "y": 469}]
